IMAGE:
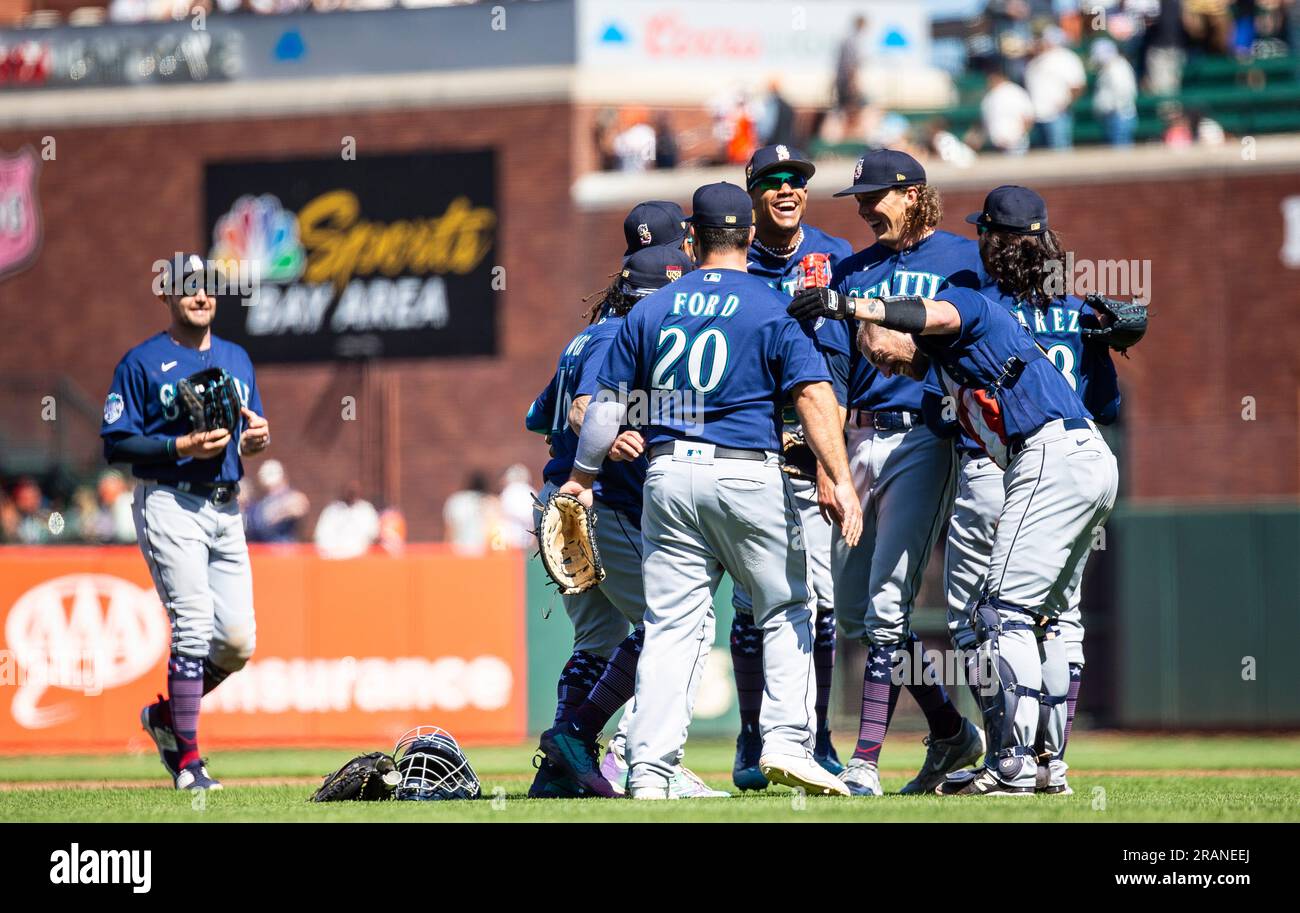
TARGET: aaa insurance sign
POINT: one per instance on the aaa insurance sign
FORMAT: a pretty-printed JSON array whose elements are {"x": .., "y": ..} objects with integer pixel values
[{"x": 378, "y": 257}]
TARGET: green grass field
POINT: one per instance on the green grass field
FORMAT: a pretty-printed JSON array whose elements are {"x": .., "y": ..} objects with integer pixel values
[{"x": 1116, "y": 778}]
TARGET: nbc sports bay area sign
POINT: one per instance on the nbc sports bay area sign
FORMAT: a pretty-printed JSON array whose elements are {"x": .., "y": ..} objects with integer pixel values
[{"x": 375, "y": 257}]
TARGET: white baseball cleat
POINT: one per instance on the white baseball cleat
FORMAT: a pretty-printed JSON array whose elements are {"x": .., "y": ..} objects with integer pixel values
[
  {"x": 801, "y": 772},
  {"x": 614, "y": 768},
  {"x": 648, "y": 792},
  {"x": 861, "y": 778},
  {"x": 686, "y": 784}
]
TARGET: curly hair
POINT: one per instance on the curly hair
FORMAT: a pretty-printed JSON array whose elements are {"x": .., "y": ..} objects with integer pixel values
[
  {"x": 926, "y": 213},
  {"x": 609, "y": 300},
  {"x": 1023, "y": 266}
]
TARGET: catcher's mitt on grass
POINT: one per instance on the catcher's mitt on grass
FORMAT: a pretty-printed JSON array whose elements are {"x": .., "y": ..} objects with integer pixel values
[
  {"x": 566, "y": 537},
  {"x": 366, "y": 778},
  {"x": 211, "y": 400},
  {"x": 1126, "y": 327}
]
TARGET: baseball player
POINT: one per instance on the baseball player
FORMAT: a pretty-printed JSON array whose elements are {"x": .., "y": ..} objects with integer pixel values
[
  {"x": 186, "y": 517},
  {"x": 1018, "y": 248},
  {"x": 789, "y": 254},
  {"x": 655, "y": 223},
  {"x": 1060, "y": 482},
  {"x": 607, "y": 620},
  {"x": 722, "y": 360},
  {"x": 904, "y": 473}
]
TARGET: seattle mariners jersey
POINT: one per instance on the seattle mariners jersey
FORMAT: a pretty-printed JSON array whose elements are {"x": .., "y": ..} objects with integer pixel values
[
  {"x": 817, "y": 251},
  {"x": 142, "y": 400},
  {"x": 939, "y": 261},
  {"x": 620, "y": 482},
  {"x": 717, "y": 356},
  {"x": 1004, "y": 385},
  {"x": 1088, "y": 368}
]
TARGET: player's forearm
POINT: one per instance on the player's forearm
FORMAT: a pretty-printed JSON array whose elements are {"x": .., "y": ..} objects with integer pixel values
[
  {"x": 599, "y": 430},
  {"x": 577, "y": 412},
  {"x": 909, "y": 314},
  {"x": 141, "y": 448},
  {"x": 822, "y": 419}
]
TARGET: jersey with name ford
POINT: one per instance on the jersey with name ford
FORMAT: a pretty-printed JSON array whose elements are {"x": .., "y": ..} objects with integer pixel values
[
  {"x": 1003, "y": 384},
  {"x": 937, "y": 262},
  {"x": 620, "y": 482},
  {"x": 142, "y": 400},
  {"x": 712, "y": 357}
]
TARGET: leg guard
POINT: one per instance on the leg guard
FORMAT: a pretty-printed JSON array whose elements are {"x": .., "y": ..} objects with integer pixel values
[
  {"x": 1010, "y": 670},
  {"x": 1056, "y": 688}
]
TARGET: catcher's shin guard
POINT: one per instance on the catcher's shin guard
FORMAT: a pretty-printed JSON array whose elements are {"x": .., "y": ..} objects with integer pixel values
[
  {"x": 1009, "y": 657},
  {"x": 1052, "y": 708}
]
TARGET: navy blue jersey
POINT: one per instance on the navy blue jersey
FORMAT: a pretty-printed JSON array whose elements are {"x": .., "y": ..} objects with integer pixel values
[
  {"x": 712, "y": 357},
  {"x": 619, "y": 483},
  {"x": 142, "y": 400},
  {"x": 1004, "y": 385},
  {"x": 939, "y": 261},
  {"x": 1088, "y": 368},
  {"x": 810, "y": 266}
]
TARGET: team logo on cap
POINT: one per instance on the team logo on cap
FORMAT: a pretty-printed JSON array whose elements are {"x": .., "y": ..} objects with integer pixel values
[
  {"x": 782, "y": 153},
  {"x": 899, "y": 177},
  {"x": 626, "y": 273},
  {"x": 643, "y": 232},
  {"x": 857, "y": 169},
  {"x": 1034, "y": 226},
  {"x": 730, "y": 220},
  {"x": 673, "y": 273},
  {"x": 749, "y": 171}
]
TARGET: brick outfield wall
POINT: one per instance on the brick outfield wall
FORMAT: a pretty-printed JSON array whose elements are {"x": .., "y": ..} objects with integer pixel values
[{"x": 117, "y": 198}]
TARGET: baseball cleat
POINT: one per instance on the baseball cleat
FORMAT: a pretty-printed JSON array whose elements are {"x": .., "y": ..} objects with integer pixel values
[
  {"x": 648, "y": 792},
  {"x": 861, "y": 778},
  {"x": 577, "y": 760},
  {"x": 944, "y": 756},
  {"x": 745, "y": 772},
  {"x": 550, "y": 783},
  {"x": 824, "y": 754},
  {"x": 686, "y": 784},
  {"x": 164, "y": 738},
  {"x": 196, "y": 776},
  {"x": 1044, "y": 786},
  {"x": 614, "y": 768},
  {"x": 801, "y": 772},
  {"x": 982, "y": 782}
]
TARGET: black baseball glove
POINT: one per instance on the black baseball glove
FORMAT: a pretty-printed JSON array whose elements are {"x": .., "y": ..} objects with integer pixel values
[
  {"x": 811, "y": 303},
  {"x": 1126, "y": 326},
  {"x": 366, "y": 778},
  {"x": 211, "y": 400}
]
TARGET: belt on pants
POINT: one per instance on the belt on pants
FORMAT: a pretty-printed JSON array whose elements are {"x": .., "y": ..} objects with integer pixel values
[
  {"x": 1017, "y": 442},
  {"x": 899, "y": 420},
  {"x": 720, "y": 453},
  {"x": 217, "y": 492}
]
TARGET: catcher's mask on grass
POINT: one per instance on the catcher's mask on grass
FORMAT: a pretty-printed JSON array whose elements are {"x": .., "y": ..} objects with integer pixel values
[{"x": 433, "y": 767}]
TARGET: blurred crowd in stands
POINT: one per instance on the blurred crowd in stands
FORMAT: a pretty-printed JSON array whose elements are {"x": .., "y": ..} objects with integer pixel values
[
  {"x": 476, "y": 519},
  {"x": 1034, "y": 57},
  {"x": 95, "y": 12}
]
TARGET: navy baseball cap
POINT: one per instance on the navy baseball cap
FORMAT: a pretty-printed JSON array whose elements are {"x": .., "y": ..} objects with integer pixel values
[
  {"x": 651, "y": 269},
  {"x": 183, "y": 273},
  {"x": 653, "y": 223},
  {"x": 884, "y": 168},
  {"x": 779, "y": 157},
  {"x": 721, "y": 205},
  {"x": 1012, "y": 208}
]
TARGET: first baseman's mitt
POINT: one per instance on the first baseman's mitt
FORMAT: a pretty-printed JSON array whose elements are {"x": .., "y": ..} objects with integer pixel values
[
  {"x": 367, "y": 778},
  {"x": 1126, "y": 327},
  {"x": 211, "y": 400},
  {"x": 800, "y": 461},
  {"x": 566, "y": 537}
]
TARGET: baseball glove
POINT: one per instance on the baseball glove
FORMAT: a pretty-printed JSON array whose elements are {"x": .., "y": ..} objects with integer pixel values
[
  {"x": 1126, "y": 326},
  {"x": 800, "y": 461},
  {"x": 211, "y": 399},
  {"x": 366, "y": 778},
  {"x": 566, "y": 537}
]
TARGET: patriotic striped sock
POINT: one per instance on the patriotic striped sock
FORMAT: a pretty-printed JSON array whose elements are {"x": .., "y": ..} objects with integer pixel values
[
  {"x": 879, "y": 697},
  {"x": 577, "y": 679},
  {"x": 747, "y": 666},
  {"x": 184, "y": 692},
  {"x": 940, "y": 712},
  {"x": 1071, "y": 701},
  {"x": 613, "y": 689},
  {"x": 824, "y": 664}
]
